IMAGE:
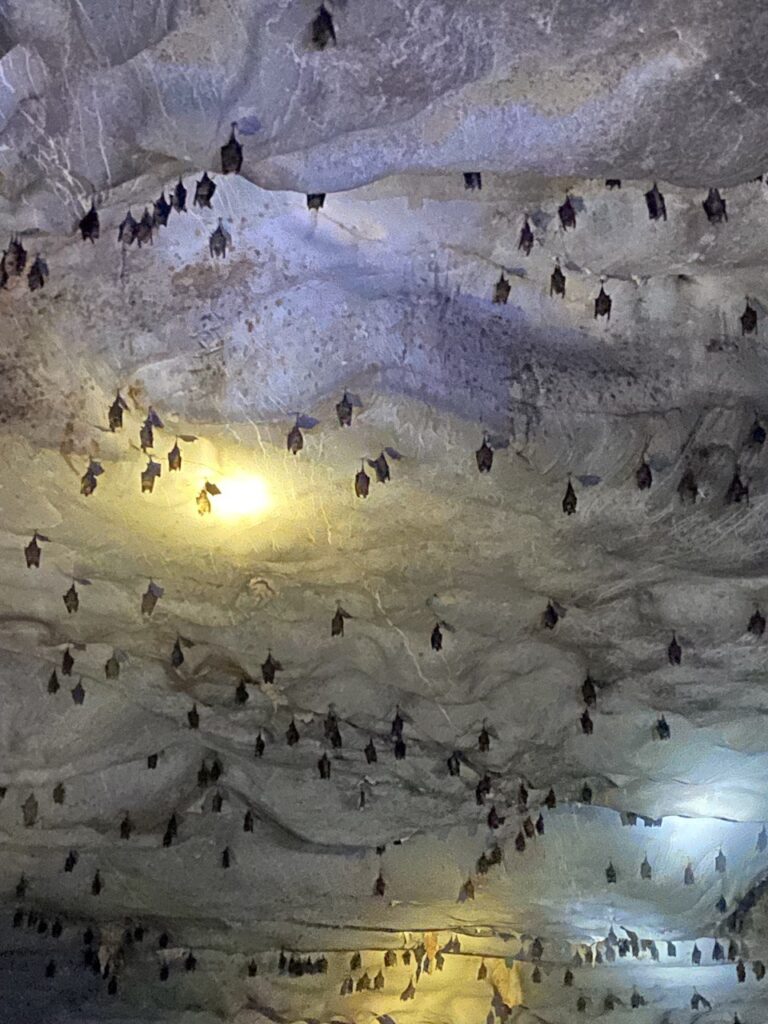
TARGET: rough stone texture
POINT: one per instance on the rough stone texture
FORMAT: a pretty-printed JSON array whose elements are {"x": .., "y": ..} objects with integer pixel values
[{"x": 386, "y": 291}]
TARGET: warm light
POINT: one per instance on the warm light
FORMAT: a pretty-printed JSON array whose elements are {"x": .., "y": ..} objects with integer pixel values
[{"x": 241, "y": 496}]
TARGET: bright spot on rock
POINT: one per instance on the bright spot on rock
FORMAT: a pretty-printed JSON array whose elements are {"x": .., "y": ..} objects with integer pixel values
[{"x": 241, "y": 496}]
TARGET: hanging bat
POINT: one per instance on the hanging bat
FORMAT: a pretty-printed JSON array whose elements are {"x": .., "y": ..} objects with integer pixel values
[
  {"x": 226, "y": 857},
  {"x": 436, "y": 639},
  {"x": 161, "y": 211},
  {"x": 190, "y": 963},
  {"x": 362, "y": 482},
  {"x": 174, "y": 458},
  {"x": 324, "y": 767},
  {"x": 193, "y": 717},
  {"x": 643, "y": 476},
  {"x": 381, "y": 467},
  {"x": 645, "y": 869},
  {"x": 370, "y": 753},
  {"x": 720, "y": 863},
  {"x": 587, "y": 725},
  {"x": 259, "y": 746},
  {"x": 550, "y": 800},
  {"x": 756, "y": 624},
  {"x": 78, "y": 693},
  {"x": 484, "y": 742},
  {"x": 115, "y": 414},
  {"x": 344, "y": 411},
  {"x": 248, "y": 822},
  {"x": 688, "y": 877},
  {"x": 757, "y": 434},
  {"x": 567, "y": 214},
  {"x": 610, "y": 874},
  {"x": 721, "y": 906},
  {"x": 269, "y": 667},
  {"x": 89, "y": 224},
  {"x": 241, "y": 693},
  {"x": 315, "y": 200},
  {"x": 164, "y": 971},
  {"x": 589, "y": 692},
  {"x": 569, "y": 499},
  {"x": 550, "y": 616},
  {"x": 737, "y": 490},
  {"x": 748, "y": 320},
  {"x": 501, "y": 290},
  {"x": 484, "y": 456},
  {"x": 204, "y": 191},
  {"x": 150, "y": 597},
  {"x": 657, "y": 207},
  {"x": 179, "y": 197},
  {"x": 613, "y": 183},
  {"x": 603, "y": 304},
  {"x": 217, "y": 243},
  {"x": 718, "y": 953},
  {"x": 295, "y": 439},
  {"x": 145, "y": 228},
  {"x": 29, "y": 810},
  {"x": 33, "y": 550},
  {"x": 89, "y": 479},
  {"x": 454, "y": 764},
  {"x": 378, "y": 981},
  {"x": 67, "y": 663},
  {"x": 337, "y": 622},
  {"x": 714, "y": 207},
  {"x": 152, "y": 762},
  {"x": 525, "y": 241},
  {"x": 586, "y": 794},
  {"x": 662, "y": 728},
  {"x": 203, "y": 503},
  {"x": 557, "y": 281},
  {"x": 38, "y": 274},
  {"x": 323, "y": 31},
  {"x": 473, "y": 180},
  {"x": 400, "y": 749},
  {"x": 71, "y": 599},
  {"x": 687, "y": 489},
  {"x": 53, "y": 683},
  {"x": 149, "y": 475},
  {"x": 112, "y": 667},
  {"x": 126, "y": 827},
  {"x": 292, "y": 734},
  {"x": 216, "y": 769},
  {"x": 674, "y": 651},
  {"x": 127, "y": 230},
  {"x": 231, "y": 154}
]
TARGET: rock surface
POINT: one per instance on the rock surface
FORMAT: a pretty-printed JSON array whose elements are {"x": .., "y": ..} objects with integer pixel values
[{"x": 386, "y": 292}]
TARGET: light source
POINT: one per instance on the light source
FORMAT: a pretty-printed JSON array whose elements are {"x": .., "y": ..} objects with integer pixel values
[{"x": 242, "y": 495}]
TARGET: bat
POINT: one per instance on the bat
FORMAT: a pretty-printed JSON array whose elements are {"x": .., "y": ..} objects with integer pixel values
[
  {"x": 29, "y": 810},
  {"x": 687, "y": 489},
  {"x": 569, "y": 500},
  {"x": 145, "y": 228},
  {"x": 38, "y": 274},
  {"x": 337, "y": 622},
  {"x": 720, "y": 863},
  {"x": 484, "y": 741},
  {"x": 654, "y": 200},
  {"x": 550, "y": 800},
  {"x": 557, "y": 282},
  {"x": 115, "y": 414},
  {"x": 161, "y": 211},
  {"x": 179, "y": 197},
  {"x": 89, "y": 479},
  {"x": 501, "y": 290},
  {"x": 152, "y": 761},
  {"x": 67, "y": 663},
  {"x": 259, "y": 746},
  {"x": 674, "y": 651},
  {"x": 714, "y": 207},
  {"x": 454, "y": 764},
  {"x": 193, "y": 717},
  {"x": 610, "y": 874},
  {"x": 323, "y": 31},
  {"x": 190, "y": 963},
  {"x": 586, "y": 794},
  {"x": 231, "y": 154},
  {"x": 149, "y": 475},
  {"x": 292, "y": 734},
  {"x": 362, "y": 482},
  {"x": 150, "y": 597},
  {"x": 688, "y": 877},
  {"x": 381, "y": 467},
  {"x": 525, "y": 241},
  {"x": 550, "y": 616},
  {"x": 370, "y": 752},
  {"x": 315, "y": 200},
  {"x": 756, "y": 624},
  {"x": 603, "y": 304},
  {"x": 78, "y": 693},
  {"x": 436, "y": 639},
  {"x": 757, "y": 434},
  {"x": 737, "y": 491},
  {"x": 127, "y": 230},
  {"x": 146, "y": 435},
  {"x": 33, "y": 550},
  {"x": 89, "y": 224},
  {"x": 567, "y": 214},
  {"x": 112, "y": 667},
  {"x": 748, "y": 320},
  {"x": 204, "y": 191},
  {"x": 344, "y": 411},
  {"x": 643, "y": 476},
  {"x": 71, "y": 599},
  {"x": 241, "y": 693},
  {"x": 203, "y": 503},
  {"x": 248, "y": 822},
  {"x": 295, "y": 439},
  {"x": 53, "y": 683},
  {"x": 400, "y": 749},
  {"x": 269, "y": 667},
  {"x": 473, "y": 180},
  {"x": 324, "y": 767},
  {"x": 217, "y": 243},
  {"x": 126, "y": 827},
  {"x": 588, "y": 692},
  {"x": 174, "y": 458}
]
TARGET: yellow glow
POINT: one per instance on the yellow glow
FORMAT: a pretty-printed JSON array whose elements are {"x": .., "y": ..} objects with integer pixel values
[{"x": 242, "y": 495}]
